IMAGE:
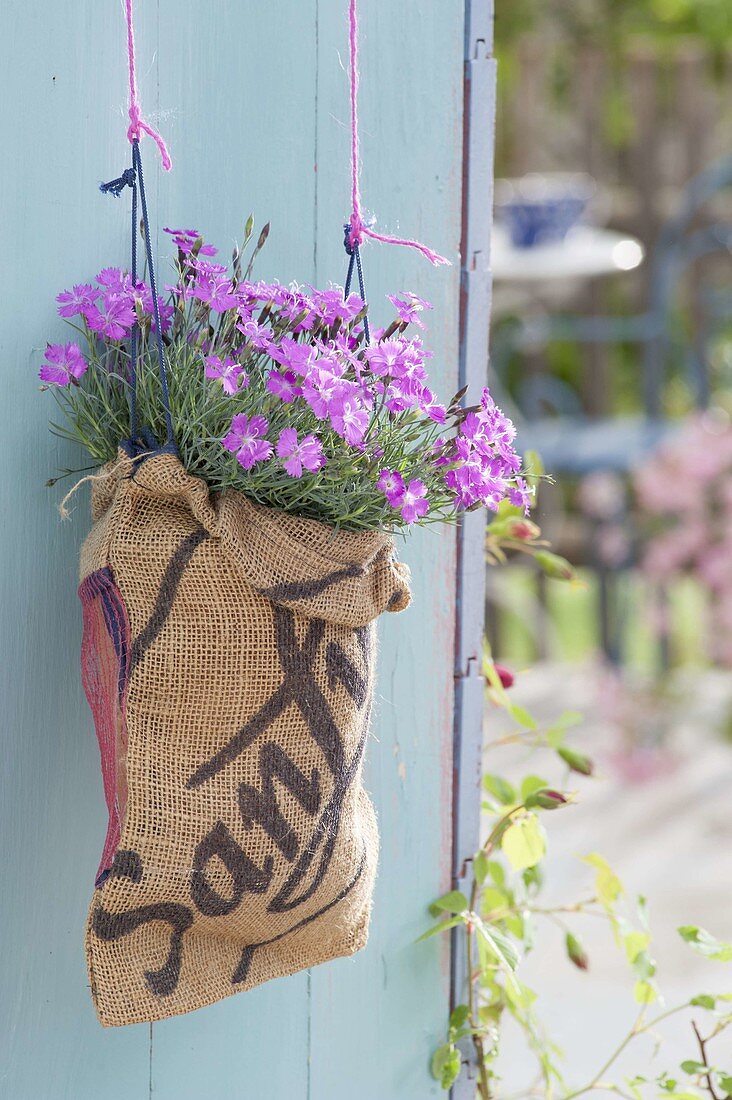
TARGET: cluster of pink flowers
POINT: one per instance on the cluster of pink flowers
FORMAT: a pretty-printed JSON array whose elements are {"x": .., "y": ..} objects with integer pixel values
[
  {"x": 685, "y": 491},
  {"x": 109, "y": 309},
  {"x": 304, "y": 387}
]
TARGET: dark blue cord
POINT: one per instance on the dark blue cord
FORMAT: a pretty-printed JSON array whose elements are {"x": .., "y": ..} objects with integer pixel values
[
  {"x": 133, "y": 177},
  {"x": 137, "y": 165},
  {"x": 135, "y": 334},
  {"x": 354, "y": 259}
]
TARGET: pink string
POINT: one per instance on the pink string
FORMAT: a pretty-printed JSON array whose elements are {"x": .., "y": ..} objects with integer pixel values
[
  {"x": 359, "y": 229},
  {"x": 137, "y": 122}
]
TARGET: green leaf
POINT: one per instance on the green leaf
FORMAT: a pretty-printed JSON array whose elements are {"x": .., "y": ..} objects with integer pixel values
[
  {"x": 608, "y": 885},
  {"x": 500, "y": 788},
  {"x": 576, "y": 761},
  {"x": 634, "y": 943},
  {"x": 502, "y": 948},
  {"x": 693, "y": 1068},
  {"x": 441, "y": 926},
  {"x": 493, "y": 898},
  {"x": 533, "y": 878},
  {"x": 480, "y": 867},
  {"x": 524, "y": 842},
  {"x": 725, "y": 1083},
  {"x": 644, "y": 993},
  {"x": 530, "y": 784},
  {"x": 446, "y": 1064},
  {"x": 452, "y": 902},
  {"x": 644, "y": 967},
  {"x": 703, "y": 1000},
  {"x": 705, "y": 944},
  {"x": 556, "y": 732},
  {"x": 459, "y": 1016},
  {"x": 497, "y": 873},
  {"x": 554, "y": 565},
  {"x": 520, "y": 995},
  {"x": 522, "y": 717}
]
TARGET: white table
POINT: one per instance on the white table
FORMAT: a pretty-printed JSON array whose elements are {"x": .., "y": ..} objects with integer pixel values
[{"x": 585, "y": 253}]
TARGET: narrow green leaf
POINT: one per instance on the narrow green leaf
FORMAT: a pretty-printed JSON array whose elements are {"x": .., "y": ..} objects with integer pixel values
[
  {"x": 480, "y": 867},
  {"x": 705, "y": 944},
  {"x": 441, "y": 926},
  {"x": 500, "y": 788},
  {"x": 608, "y": 885},
  {"x": 522, "y": 717}
]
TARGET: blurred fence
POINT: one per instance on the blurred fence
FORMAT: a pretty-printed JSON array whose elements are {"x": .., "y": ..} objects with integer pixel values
[{"x": 642, "y": 124}]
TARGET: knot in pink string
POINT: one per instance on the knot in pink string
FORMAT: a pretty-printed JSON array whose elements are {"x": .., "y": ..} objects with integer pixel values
[
  {"x": 358, "y": 228},
  {"x": 138, "y": 125}
]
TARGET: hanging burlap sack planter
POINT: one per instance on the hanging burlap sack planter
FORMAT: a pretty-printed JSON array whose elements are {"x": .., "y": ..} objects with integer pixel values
[{"x": 228, "y": 658}]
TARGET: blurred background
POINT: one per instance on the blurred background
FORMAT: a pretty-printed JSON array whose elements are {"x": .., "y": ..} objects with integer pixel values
[{"x": 611, "y": 349}]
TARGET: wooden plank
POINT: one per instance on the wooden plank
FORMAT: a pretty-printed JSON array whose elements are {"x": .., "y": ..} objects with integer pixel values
[
  {"x": 243, "y": 139},
  {"x": 375, "y": 1018},
  {"x": 57, "y": 132}
]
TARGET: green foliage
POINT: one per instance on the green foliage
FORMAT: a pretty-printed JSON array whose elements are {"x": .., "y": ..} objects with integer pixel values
[{"x": 499, "y": 912}]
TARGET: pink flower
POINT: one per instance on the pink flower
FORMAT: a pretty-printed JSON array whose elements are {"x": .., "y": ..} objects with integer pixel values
[
  {"x": 75, "y": 301},
  {"x": 245, "y": 439},
  {"x": 115, "y": 317},
  {"x": 308, "y": 453},
  {"x": 213, "y": 289},
  {"x": 64, "y": 364},
  {"x": 331, "y": 306},
  {"x": 324, "y": 391},
  {"x": 386, "y": 357},
  {"x": 349, "y": 419},
  {"x": 392, "y": 486},
  {"x": 143, "y": 294},
  {"x": 186, "y": 239},
  {"x": 114, "y": 279},
  {"x": 232, "y": 374},
  {"x": 298, "y": 357},
  {"x": 259, "y": 336},
  {"x": 284, "y": 385},
  {"x": 414, "y": 504},
  {"x": 408, "y": 307},
  {"x": 432, "y": 408}
]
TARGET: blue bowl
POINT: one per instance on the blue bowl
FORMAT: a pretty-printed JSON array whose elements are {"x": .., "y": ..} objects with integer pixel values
[{"x": 541, "y": 209}]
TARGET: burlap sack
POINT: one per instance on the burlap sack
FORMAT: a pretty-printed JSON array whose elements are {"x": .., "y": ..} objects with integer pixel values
[{"x": 228, "y": 659}]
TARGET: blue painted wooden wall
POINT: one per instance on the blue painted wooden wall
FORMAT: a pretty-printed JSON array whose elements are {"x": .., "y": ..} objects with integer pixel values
[{"x": 253, "y": 99}]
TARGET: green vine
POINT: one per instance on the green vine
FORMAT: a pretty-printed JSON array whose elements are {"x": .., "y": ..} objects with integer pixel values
[{"x": 500, "y": 913}]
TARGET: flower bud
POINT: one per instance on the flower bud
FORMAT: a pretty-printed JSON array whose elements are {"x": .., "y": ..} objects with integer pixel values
[
  {"x": 576, "y": 952},
  {"x": 554, "y": 565},
  {"x": 545, "y": 799},
  {"x": 523, "y": 529},
  {"x": 505, "y": 675},
  {"x": 576, "y": 761}
]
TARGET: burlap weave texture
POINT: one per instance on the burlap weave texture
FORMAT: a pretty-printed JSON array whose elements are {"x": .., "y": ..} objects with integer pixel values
[{"x": 228, "y": 658}]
